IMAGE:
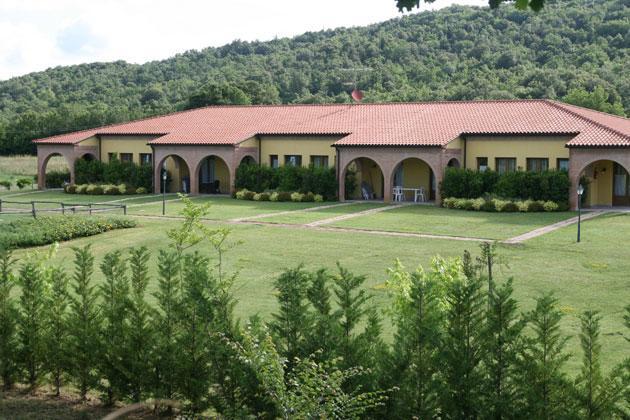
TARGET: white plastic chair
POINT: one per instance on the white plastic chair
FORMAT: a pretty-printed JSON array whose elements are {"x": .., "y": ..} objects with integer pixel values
[
  {"x": 398, "y": 194},
  {"x": 419, "y": 195}
]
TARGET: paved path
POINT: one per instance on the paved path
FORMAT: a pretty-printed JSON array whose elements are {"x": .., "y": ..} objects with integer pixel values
[
  {"x": 353, "y": 215},
  {"x": 550, "y": 228},
  {"x": 282, "y": 213}
]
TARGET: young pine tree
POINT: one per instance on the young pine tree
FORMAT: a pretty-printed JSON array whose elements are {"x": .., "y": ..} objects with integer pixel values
[
  {"x": 321, "y": 340},
  {"x": 502, "y": 346},
  {"x": 32, "y": 321},
  {"x": 542, "y": 380},
  {"x": 84, "y": 323},
  {"x": 56, "y": 339},
  {"x": 598, "y": 397},
  {"x": 114, "y": 360},
  {"x": 463, "y": 346},
  {"x": 141, "y": 335},
  {"x": 168, "y": 301},
  {"x": 291, "y": 324},
  {"x": 415, "y": 364},
  {"x": 8, "y": 321}
]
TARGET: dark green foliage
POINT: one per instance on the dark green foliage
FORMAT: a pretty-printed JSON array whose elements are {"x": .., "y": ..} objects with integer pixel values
[
  {"x": 89, "y": 171},
  {"x": 463, "y": 347},
  {"x": 536, "y": 5},
  {"x": 218, "y": 94},
  {"x": 23, "y": 182},
  {"x": 259, "y": 178},
  {"x": 114, "y": 360},
  {"x": 8, "y": 317},
  {"x": 546, "y": 186},
  {"x": 57, "y": 358},
  {"x": 31, "y": 321},
  {"x": 113, "y": 172},
  {"x": 451, "y": 54},
  {"x": 598, "y": 99},
  {"x": 56, "y": 179},
  {"x": 544, "y": 386},
  {"x": 27, "y": 232},
  {"x": 322, "y": 339},
  {"x": 292, "y": 321},
  {"x": 84, "y": 323}
]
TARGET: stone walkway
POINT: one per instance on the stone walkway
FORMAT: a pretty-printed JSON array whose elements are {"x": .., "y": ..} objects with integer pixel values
[
  {"x": 353, "y": 215},
  {"x": 550, "y": 228},
  {"x": 282, "y": 213}
]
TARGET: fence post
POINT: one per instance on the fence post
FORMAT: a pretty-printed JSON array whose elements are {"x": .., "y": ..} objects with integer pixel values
[
  {"x": 125, "y": 209},
  {"x": 63, "y": 208},
  {"x": 33, "y": 210},
  {"x": 90, "y": 209},
  {"x": 0, "y": 205}
]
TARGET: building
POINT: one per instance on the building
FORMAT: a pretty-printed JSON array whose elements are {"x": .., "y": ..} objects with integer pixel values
[{"x": 408, "y": 144}]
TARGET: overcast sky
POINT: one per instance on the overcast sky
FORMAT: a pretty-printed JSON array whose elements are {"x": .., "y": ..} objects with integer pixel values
[{"x": 37, "y": 34}]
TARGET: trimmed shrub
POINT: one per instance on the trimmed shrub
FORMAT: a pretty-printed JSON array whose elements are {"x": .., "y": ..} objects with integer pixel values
[
  {"x": 23, "y": 182},
  {"x": 70, "y": 189},
  {"x": 535, "y": 206},
  {"x": 80, "y": 189},
  {"x": 6, "y": 184},
  {"x": 111, "y": 190},
  {"x": 318, "y": 198},
  {"x": 94, "y": 190},
  {"x": 284, "y": 196},
  {"x": 141, "y": 190},
  {"x": 309, "y": 197},
  {"x": 297, "y": 197},
  {"x": 263, "y": 196},
  {"x": 509, "y": 207},
  {"x": 478, "y": 203},
  {"x": 449, "y": 202},
  {"x": 257, "y": 197},
  {"x": 240, "y": 195},
  {"x": 113, "y": 173},
  {"x": 273, "y": 196},
  {"x": 551, "y": 206},
  {"x": 489, "y": 205}
]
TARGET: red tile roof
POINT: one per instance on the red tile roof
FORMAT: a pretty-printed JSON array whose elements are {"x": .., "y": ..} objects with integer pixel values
[{"x": 396, "y": 124}]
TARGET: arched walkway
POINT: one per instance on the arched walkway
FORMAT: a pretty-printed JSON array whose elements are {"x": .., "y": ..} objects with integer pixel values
[
  {"x": 363, "y": 179},
  {"x": 177, "y": 174},
  {"x": 414, "y": 174},
  {"x": 213, "y": 175},
  {"x": 62, "y": 171},
  {"x": 606, "y": 183},
  {"x": 453, "y": 163}
]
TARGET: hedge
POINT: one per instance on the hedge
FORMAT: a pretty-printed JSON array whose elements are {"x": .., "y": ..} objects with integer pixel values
[
  {"x": 260, "y": 178},
  {"x": 503, "y": 206},
  {"x": 549, "y": 185},
  {"x": 46, "y": 230},
  {"x": 104, "y": 189},
  {"x": 56, "y": 179},
  {"x": 296, "y": 196},
  {"x": 114, "y": 172}
]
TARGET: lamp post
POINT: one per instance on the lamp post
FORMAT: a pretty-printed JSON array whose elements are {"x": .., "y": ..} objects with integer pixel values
[
  {"x": 580, "y": 191},
  {"x": 163, "y": 191}
]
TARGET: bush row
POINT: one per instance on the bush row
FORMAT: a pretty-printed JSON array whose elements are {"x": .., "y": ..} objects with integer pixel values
[
  {"x": 246, "y": 194},
  {"x": 549, "y": 185},
  {"x": 113, "y": 172},
  {"x": 504, "y": 206},
  {"x": 21, "y": 183},
  {"x": 104, "y": 189},
  {"x": 45, "y": 230},
  {"x": 317, "y": 180}
]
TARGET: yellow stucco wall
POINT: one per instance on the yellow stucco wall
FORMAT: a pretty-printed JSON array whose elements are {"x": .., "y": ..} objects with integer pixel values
[
  {"x": 519, "y": 147},
  {"x": 369, "y": 172},
  {"x": 90, "y": 141},
  {"x": 250, "y": 142},
  {"x": 177, "y": 170},
  {"x": 297, "y": 145},
  {"x": 455, "y": 144},
  {"x": 416, "y": 173},
  {"x": 600, "y": 187},
  {"x": 125, "y": 144}
]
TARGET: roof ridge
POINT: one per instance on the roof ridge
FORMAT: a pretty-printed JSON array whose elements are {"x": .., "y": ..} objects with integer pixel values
[
  {"x": 563, "y": 104},
  {"x": 560, "y": 106}
]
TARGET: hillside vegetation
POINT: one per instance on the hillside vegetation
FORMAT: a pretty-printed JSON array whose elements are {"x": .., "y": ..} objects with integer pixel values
[{"x": 570, "y": 50}]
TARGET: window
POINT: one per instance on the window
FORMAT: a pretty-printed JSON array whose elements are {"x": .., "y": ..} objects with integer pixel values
[
  {"x": 293, "y": 160},
  {"x": 273, "y": 161},
  {"x": 563, "y": 165},
  {"x": 537, "y": 164},
  {"x": 126, "y": 157},
  {"x": 482, "y": 164},
  {"x": 145, "y": 158},
  {"x": 319, "y": 161},
  {"x": 504, "y": 165}
]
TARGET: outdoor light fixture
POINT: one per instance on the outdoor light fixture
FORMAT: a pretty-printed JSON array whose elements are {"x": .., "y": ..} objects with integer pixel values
[
  {"x": 164, "y": 192},
  {"x": 580, "y": 191}
]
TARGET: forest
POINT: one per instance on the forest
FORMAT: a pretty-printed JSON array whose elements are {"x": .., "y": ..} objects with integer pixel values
[{"x": 570, "y": 51}]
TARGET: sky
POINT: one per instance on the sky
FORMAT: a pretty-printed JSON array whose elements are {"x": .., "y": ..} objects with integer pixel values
[{"x": 38, "y": 34}]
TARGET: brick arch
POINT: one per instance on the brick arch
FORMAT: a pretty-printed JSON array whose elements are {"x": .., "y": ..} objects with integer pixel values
[
  {"x": 45, "y": 152},
  {"x": 344, "y": 170},
  {"x": 411, "y": 157},
  {"x": 195, "y": 176},
  {"x": 581, "y": 158},
  {"x": 456, "y": 160},
  {"x": 157, "y": 169}
]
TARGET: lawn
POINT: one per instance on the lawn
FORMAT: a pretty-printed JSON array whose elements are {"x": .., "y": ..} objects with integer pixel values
[
  {"x": 589, "y": 275},
  {"x": 313, "y": 215},
  {"x": 440, "y": 221}
]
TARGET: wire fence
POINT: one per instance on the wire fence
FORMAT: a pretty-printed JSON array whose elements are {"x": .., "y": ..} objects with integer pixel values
[{"x": 37, "y": 207}]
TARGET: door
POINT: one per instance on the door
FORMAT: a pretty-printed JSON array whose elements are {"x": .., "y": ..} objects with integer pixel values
[{"x": 621, "y": 186}]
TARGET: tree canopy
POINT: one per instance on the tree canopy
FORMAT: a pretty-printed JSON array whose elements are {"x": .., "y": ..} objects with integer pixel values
[{"x": 568, "y": 51}]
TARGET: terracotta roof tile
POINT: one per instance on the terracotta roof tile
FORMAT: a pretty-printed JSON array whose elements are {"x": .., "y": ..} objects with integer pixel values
[{"x": 397, "y": 124}]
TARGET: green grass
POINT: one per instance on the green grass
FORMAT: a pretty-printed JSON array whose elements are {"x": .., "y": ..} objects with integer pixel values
[
  {"x": 589, "y": 275},
  {"x": 25, "y": 166},
  {"x": 303, "y": 217},
  {"x": 440, "y": 221}
]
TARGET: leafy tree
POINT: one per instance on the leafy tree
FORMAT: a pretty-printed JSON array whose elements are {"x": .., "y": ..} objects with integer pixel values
[
  {"x": 598, "y": 397},
  {"x": 598, "y": 100},
  {"x": 31, "y": 320},
  {"x": 543, "y": 383},
  {"x": 218, "y": 94},
  {"x": 535, "y": 5},
  {"x": 115, "y": 329},
  {"x": 322, "y": 339},
  {"x": 8, "y": 320},
  {"x": 84, "y": 323},
  {"x": 57, "y": 329}
]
